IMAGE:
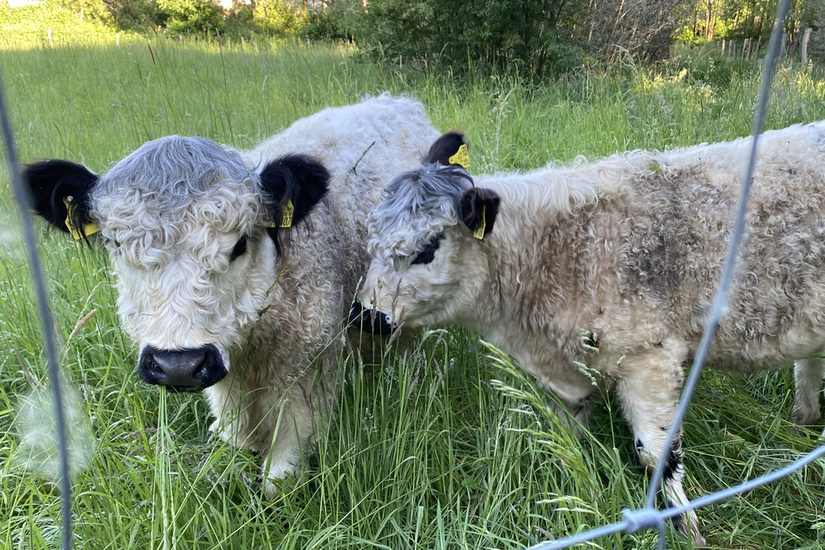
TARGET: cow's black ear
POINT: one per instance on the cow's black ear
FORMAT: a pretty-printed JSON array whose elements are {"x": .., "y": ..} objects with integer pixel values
[
  {"x": 59, "y": 190},
  {"x": 450, "y": 148},
  {"x": 478, "y": 210},
  {"x": 294, "y": 185}
]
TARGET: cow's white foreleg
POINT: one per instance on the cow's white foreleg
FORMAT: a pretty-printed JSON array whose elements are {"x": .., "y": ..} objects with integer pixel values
[
  {"x": 808, "y": 375},
  {"x": 649, "y": 386},
  {"x": 294, "y": 434}
]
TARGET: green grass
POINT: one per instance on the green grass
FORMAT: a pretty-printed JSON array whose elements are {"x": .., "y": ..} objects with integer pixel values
[{"x": 444, "y": 447}]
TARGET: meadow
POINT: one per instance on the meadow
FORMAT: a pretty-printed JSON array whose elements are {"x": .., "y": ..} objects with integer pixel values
[{"x": 446, "y": 445}]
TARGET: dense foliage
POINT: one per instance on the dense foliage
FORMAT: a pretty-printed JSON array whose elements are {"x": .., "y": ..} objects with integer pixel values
[
  {"x": 531, "y": 37},
  {"x": 711, "y": 19},
  {"x": 527, "y": 38},
  {"x": 177, "y": 17}
]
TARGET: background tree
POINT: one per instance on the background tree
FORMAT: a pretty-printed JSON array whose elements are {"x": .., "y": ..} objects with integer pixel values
[
  {"x": 641, "y": 28},
  {"x": 748, "y": 19},
  {"x": 192, "y": 16},
  {"x": 280, "y": 17},
  {"x": 135, "y": 14},
  {"x": 530, "y": 37}
]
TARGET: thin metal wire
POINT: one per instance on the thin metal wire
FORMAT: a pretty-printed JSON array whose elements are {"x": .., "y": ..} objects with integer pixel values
[
  {"x": 776, "y": 475},
  {"x": 47, "y": 332},
  {"x": 643, "y": 519}
]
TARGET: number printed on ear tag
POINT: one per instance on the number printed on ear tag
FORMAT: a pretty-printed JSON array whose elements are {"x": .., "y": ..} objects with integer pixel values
[{"x": 286, "y": 215}]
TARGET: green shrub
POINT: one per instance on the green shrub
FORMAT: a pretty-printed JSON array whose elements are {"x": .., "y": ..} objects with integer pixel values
[
  {"x": 192, "y": 16},
  {"x": 47, "y": 24},
  {"x": 704, "y": 64},
  {"x": 136, "y": 15},
  {"x": 96, "y": 10},
  {"x": 277, "y": 17},
  {"x": 528, "y": 38},
  {"x": 337, "y": 22}
]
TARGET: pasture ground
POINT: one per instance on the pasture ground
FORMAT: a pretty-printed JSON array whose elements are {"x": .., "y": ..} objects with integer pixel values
[{"x": 448, "y": 446}]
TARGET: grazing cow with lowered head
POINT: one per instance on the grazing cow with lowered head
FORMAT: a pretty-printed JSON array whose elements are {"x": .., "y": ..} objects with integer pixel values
[
  {"x": 605, "y": 272},
  {"x": 235, "y": 269}
]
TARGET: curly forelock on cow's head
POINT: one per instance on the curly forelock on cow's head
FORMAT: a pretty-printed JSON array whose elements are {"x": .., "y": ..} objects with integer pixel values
[
  {"x": 174, "y": 185},
  {"x": 415, "y": 206}
]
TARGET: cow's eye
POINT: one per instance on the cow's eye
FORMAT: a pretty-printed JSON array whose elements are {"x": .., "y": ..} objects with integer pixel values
[
  {"x": 240, "y": 248},
  {"x": 428, "y": 254},
  {"x": 111, "y": 243}
]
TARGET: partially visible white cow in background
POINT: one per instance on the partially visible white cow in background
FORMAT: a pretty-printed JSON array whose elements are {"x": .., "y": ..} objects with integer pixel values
[
  {"x": 236, "y": 269},
  {"x": 605, "y": 272}
]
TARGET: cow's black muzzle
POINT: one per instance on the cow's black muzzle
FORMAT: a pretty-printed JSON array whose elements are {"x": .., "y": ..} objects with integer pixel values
[
  {"x": 369, "y": 320},
  {"x": 184, "y": 370}
]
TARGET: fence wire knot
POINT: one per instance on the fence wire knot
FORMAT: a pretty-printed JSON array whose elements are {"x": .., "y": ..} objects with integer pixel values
[{"x": 645, "y": 518}]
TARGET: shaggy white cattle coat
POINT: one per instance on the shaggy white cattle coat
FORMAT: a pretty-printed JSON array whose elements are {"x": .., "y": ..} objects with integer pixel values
[
  {"x": 622, "y": 255},
  {"x": 187, "y": 225},
  {"x": 362, "y": 147}
]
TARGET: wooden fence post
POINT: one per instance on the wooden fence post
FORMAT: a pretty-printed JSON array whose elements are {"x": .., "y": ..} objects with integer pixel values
[{"x": 805, "y": 38}]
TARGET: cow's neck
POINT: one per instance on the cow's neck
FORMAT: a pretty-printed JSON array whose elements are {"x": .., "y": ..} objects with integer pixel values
[{"x": 541, "y": 267}]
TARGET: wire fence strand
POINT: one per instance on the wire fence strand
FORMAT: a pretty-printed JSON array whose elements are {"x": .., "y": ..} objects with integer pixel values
[{"x": 46, "y": 325}]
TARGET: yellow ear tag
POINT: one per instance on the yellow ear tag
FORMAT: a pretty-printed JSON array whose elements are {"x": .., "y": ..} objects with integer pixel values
[
  {"x": 286, "y": 215},
  {"x": 479, "y": 233},
  {"x": 461, "y": 157},
  {"x": 88, "y": 228}
]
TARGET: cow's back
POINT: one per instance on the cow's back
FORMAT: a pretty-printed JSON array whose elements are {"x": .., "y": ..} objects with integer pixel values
[
  {"x": 677, "y": 219},
  {"x": 640, "y": 242},
  {"x": 363, "y": 146}
]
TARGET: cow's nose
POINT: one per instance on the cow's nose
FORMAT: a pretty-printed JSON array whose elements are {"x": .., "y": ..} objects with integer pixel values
[
  {"x": 369, "y": 320},
  {"x": 182, "y": 370}
]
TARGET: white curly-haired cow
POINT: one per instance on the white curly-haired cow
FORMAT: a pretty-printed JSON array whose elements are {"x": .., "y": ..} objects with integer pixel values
[
  {"x": 605, "y": 271},
  {"x": 235, "y": 269}
]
